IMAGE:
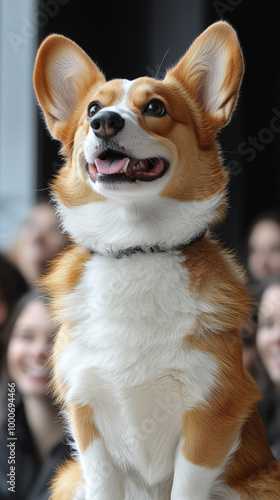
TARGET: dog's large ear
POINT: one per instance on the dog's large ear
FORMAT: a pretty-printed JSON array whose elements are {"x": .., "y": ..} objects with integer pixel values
[
  {"x": 211, "y": 72},
  {"x": 63, "y": 75}
]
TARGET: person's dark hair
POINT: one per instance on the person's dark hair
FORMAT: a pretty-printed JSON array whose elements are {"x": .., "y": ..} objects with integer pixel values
[
  {"x": 12, "y": 287},
  {"x": 26, "y": 299},
  {"x": 12, "y": 283},
  {"x": 272, "y": 214}
]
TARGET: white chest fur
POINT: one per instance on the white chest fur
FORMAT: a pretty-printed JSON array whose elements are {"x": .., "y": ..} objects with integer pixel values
[{"x": 127, "y": 358}]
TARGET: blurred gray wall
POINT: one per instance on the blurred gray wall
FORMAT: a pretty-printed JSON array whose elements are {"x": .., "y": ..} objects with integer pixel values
[{"x": 18, "y": 44}]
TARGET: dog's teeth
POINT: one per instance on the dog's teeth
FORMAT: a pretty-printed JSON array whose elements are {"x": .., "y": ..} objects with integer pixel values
[
  {"x": 141, "y": 165},
  {"x": 124, "y": 169},
  {"x": 138, "y": 166}
]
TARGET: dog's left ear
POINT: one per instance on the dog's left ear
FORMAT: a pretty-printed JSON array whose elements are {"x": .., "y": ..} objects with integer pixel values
[
  {"x": 211, "y": 72},
  {"x": 63, "y": 75}
]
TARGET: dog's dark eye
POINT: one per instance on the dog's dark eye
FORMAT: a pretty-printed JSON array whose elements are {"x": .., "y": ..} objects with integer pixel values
[
  {"x": 155, "y": 108},
  {"x": 93, "y": 108}
]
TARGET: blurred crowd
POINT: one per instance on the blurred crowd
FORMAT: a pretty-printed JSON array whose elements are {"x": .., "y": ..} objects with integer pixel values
[
  {"x": 27, "y": 332},
  {"x": 28, "y": 412},
  {"x": 261, "y": 334}
]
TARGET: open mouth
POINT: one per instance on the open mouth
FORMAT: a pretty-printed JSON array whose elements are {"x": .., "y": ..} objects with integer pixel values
[{"x": 111, "y": 166}]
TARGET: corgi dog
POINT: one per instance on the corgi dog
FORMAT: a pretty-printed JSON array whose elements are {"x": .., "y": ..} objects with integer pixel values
[{"x": 147, "y": 360}]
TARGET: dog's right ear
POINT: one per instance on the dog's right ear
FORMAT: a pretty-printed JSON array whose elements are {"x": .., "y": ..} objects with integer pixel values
[
  {"x": 63, "y": 75},
  {"x": 211, "y": 72}
]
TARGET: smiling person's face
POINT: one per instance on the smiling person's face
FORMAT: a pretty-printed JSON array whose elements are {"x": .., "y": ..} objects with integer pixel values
[
  {"x": 29, "y": 348},
  {"x": 268, "y": 333},
  {"x": 264, "y": 250}
]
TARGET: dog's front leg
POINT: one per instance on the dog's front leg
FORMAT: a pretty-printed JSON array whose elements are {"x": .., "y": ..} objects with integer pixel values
[
  {"x": 192, "y": 481},
  {"x": 208, "y": 438},
  {"x": 102, "y": 479}
]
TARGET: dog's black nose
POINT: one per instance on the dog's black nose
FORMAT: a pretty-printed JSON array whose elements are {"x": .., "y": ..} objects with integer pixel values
[{"x": 107, "y": 124}]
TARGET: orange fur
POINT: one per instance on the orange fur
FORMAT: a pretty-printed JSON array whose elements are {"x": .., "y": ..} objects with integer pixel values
[
  {"x": 253, "y": 471},
  {"x": 63, "y": 275},
  {"x": 218, "y": 279},
  {"x": 66, "y": 482},
  {"x": 82, "y": 422}
]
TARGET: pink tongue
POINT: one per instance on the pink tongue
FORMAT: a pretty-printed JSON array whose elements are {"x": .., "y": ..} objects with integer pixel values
[{"x": 110, "y": 166}]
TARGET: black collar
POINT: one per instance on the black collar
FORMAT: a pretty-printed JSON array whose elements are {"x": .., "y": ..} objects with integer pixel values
[{"x": 126, "y": 252}]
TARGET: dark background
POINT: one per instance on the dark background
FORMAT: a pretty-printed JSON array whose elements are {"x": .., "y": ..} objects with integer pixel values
[{"x": 130, "y": 39}]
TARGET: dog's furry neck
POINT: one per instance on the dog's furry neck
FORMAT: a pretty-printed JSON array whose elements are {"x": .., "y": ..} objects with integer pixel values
[{"x": 126, "y": 252}]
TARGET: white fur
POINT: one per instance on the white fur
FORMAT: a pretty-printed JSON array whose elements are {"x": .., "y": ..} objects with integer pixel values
[
  {"x": 127, "y": 360},
  {"x": 214, "y": 63},
  {"x": 102, "y": 478},
  {"x": 69, "y": 71},
  {"x": 109, "y": 226},
  {"x": 106, "y": 481}
]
